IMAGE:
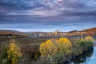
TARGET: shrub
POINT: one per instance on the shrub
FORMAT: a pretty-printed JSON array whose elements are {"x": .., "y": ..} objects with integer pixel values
[
  {"x": 76, "y": 49},
  {"x": 4, "y": 54},
  {"x": 31, "y": 51},
  {"x": 59, "y": 58}
]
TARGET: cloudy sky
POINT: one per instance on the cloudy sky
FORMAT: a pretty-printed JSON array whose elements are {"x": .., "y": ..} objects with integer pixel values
[{"x": 47, "y": 15}]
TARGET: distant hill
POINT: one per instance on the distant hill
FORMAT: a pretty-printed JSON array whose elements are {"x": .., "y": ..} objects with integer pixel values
[
  {"x": 86, "y": 32},
  {"x": 8, "y": 31},
  {"x": 11, "y": 32},
  {"x": 91, "y": 29},
  {"x": 73, "y": 31}
]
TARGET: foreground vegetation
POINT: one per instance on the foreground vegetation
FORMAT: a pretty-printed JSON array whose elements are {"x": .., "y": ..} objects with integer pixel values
[
  {"x": 47, "y": 52},
  {"x": 63, "y": 49}
]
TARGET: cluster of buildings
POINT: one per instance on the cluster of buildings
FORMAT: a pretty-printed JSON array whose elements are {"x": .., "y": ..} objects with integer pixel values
[{"x": 55, "y": 33}]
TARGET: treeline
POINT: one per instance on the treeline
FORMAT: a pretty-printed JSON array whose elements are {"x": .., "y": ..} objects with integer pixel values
[
  {"x": 63, "y": 49},
  {"x": 57, "y": 51}
]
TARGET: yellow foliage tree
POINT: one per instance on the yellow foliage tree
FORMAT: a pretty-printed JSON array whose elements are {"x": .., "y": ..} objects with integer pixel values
[
  {"x": 13, "y": 53},
  {"x": 63, "y": 45},
  {"x": 48, "y": 49},
  {"x": 89, "y": 39},
  {"x": 82, "y": 39}
]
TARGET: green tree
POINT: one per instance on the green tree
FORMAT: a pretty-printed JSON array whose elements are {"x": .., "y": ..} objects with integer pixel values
[
  {"x": 63, "y": 45},
  {"x": 89, "y": 41},
  {"x": 77, "y": 41},
  {"x": 4, "y": 54}
]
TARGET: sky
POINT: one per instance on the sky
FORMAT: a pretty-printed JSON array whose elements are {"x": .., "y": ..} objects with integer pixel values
[{"x": 47, "y": 15}]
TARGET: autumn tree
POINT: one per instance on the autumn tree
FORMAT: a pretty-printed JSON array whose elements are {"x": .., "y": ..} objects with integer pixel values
[
  {"x": 77, "y": 41},
  {"x": 63, "y": 45},
  {"x": 89, "y": 39},
  {"x": 13, "y": 53},
  {"x": 48, "y": 49},
  {"x": 82, "y": 39}
]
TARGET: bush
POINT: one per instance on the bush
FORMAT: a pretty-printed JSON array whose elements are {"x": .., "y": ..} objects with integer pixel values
[
  {"x": 32, "y": 51},
  {"x": 76, "y": 49},
  {"x": 4, "y": 54},
  {"x": 21, "y": 60},
  {"x": 59, "y": 58}
]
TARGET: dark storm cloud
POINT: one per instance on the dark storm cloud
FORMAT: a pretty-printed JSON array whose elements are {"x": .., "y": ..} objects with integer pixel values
[
  {"x": 19, "y": 4},
  {"x": 69, "y": 4},
  {"x": 64, "y": 17},
  {"x": 44, "y": 14},
  {"x": 81, "y": 13},
  {"x": 24, "y": 6},
  {"x": 93, "y": 13}
]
